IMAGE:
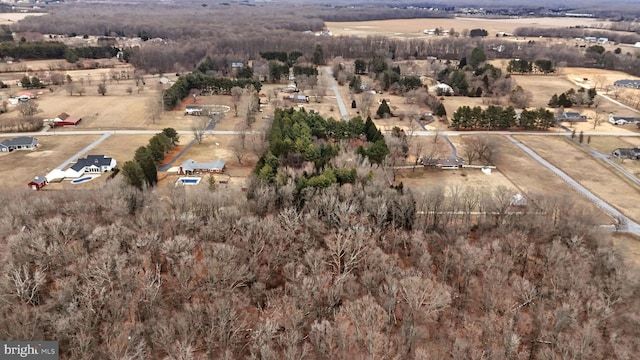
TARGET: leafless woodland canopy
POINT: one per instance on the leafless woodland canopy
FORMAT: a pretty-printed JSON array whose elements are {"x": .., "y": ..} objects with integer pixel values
[
  {"x": 240, "y": 31},
  {"x": 358, "y": 271},
  {"x": 351, "y": 272}
]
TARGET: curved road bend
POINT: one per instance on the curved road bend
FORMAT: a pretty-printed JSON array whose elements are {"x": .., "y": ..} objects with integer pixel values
[
  {"x": 630, "y": 225},
  {"x": 334, "y": 86}
]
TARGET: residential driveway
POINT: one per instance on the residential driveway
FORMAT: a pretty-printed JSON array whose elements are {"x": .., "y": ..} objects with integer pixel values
[
  {"x": 626, "y": 224},
  {"x": 83, "y": 151},
  {"x": 334, "y": 86},
  {"x": 212, "y": 124}
]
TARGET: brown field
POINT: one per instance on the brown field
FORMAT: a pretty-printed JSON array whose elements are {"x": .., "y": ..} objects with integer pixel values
[
  {"x": 53, "y": 151},
  {"x": 411, "y": 28},
  {"x": 606, "y": 145},
  {"x": 10, "y": 18},
  {"x": 423, "y": 179},
  {"x": 629, "y": 247},
  {"x": 529, "y": 176},
  {"x": 594, "y": 175}
]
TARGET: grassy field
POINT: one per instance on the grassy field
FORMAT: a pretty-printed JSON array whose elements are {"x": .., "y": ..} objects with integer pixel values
[{"x": 589, "y": 172}]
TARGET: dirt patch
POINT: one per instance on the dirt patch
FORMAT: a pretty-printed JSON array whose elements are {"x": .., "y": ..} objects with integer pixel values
[{"x": 169, "y": 156}]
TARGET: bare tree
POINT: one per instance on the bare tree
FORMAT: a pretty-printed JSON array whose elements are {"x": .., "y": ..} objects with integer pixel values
[
  {"x": 520, "y": 97},
  {"x": 70, "y": 87},
  {"x": 199, "y": 127},
  {"x": 239, "y": 144},
  {"x": 28, "y": 109},
  {"x": 483, "y": 148},
  {"x": 236, "y": 95},
  {"x": 102, "y": 88},
  {"x": 366, "y": 100}
]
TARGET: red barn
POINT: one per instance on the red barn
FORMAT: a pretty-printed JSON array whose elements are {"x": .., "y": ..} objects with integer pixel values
[
  {"x": 38, "y": 183},
  {"x": 65, "y": 119}
]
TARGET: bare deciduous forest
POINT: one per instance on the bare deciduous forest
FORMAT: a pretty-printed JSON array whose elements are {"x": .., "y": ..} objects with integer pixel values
[
  {"x": 357, "y": 271},
  {"x": 354, "y": 271},
  {"x": 236, "y": 32}
]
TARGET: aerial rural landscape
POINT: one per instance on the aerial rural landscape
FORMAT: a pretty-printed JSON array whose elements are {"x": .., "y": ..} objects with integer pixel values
[{"x": 321, "y": 180}]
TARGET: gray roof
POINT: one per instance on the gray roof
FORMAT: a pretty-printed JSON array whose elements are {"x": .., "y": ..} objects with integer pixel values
[
  {"x": 22, "y": 140},
  {"x": 97, "y": 160},
  {"x": 39, "y": 179},
  {"x": 628, "y": 118},
  {"x": 627, "y": 83},
  {"x": 191, "y": 165}
]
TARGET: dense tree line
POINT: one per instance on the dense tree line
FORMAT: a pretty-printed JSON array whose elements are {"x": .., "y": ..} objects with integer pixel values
[
  {"x": 572, "y": 97},
  {"x": 496, "y": 117},
  {"x": 357, "y": 270},
  {"x": 522, "y": 66},
  {"x": 141, "y": 171},
  {"x": 197, "y": 80},
  {"x": 227, "y": 34},
  {"x": 297, "y": 138},
  {"x": 54, "y": 50}
]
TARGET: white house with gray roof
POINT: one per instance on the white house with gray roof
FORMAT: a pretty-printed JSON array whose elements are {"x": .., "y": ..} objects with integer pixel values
[
  {"x": 194, "y": 167},
  {"x": 92, "y": 164},
  {"x": 19, "y": 143}
]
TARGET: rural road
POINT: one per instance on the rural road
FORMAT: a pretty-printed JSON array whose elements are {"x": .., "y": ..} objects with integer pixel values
[
  {"x": 334, "y": 86},
  {"x": 627, "y": 224}
]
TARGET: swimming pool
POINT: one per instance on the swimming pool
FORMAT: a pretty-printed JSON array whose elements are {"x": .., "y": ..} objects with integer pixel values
[
  {"x": 188, "y": 180},
  {"x": 81, "y": 180}
]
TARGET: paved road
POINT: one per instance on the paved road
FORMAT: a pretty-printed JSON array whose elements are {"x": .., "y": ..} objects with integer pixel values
[
  {"x": 334, "y": 86},
  {"x": 607, "y": 158},
  {"x": 123, "y": 132},
  {"x": 627, "y": 224},
  {"x": 83, "y": 151}
]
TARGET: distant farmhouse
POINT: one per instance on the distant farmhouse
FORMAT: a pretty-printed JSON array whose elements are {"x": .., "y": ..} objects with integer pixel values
[
  {"x": 444, "y": 164},
  {"x": 572, "y": 116},
  {"x": 633, "y": 84},
  {"x": 65, "y": 119},
  {"x": 623, "y": 120},
  {"x": 19, "y": 143},
  {"x": 622, "y": 153}
]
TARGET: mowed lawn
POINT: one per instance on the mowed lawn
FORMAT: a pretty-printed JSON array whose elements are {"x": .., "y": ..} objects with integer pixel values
[
  {"x": 594, "y": 175},
  {"x": 19, "y": 167}
]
